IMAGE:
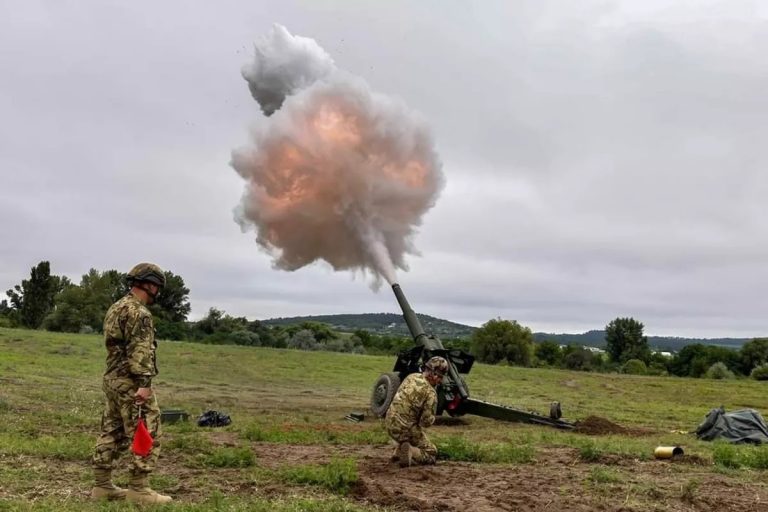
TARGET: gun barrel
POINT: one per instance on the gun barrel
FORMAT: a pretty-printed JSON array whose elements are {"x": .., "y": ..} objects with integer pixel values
[
  {"x": 421, "y": 338},
  {"x": 417, "y": 331}
]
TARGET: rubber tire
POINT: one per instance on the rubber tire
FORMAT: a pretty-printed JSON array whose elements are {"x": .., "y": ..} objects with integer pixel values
[{"x": 383, "y": 392}]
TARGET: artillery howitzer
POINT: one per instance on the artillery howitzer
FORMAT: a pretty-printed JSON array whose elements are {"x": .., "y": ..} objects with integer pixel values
[{"x": 452, "y": 393}]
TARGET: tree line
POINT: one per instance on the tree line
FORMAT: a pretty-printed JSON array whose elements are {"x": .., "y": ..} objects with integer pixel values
[
  {"x": 55, "y": 303},
  {"x": 627, "y": 351}
]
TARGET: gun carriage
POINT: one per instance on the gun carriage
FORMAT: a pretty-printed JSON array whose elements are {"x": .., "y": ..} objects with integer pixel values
[{"x": 453, "y": 393}]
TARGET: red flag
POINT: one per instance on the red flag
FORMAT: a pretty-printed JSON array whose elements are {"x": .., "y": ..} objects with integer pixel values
[{"x": 142, "y": 440}]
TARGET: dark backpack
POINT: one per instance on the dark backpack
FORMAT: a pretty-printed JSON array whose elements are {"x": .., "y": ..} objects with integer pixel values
[{"x": 213, "y": 419}]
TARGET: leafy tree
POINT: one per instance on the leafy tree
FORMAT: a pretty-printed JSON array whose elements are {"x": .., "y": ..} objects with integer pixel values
[
  {"x": 501, "y": 339},
  {"x": 549, "y": 353},
  {"x": 754, "y": 353},
  {"x": 34, "y": 297},
  {"x": 173, "y": 302},
  {"x": 8, "y": 316},
  {"x": 321, "y": 332},
  {"x": 576, "y": 357},
  {"x": 303, "y": 340},
  {"x": 760, "y": 372},
  {"x": 694, "y": 360},
  {"x": 210, "y": 323},
  {"x": 365, "y": 337},
  {"x": 719, "y": 371},
  {"x": 624, "y": 340},
  {"x": 84, "y": 306}
]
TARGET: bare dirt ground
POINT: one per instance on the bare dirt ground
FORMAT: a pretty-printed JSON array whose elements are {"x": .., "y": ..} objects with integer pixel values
[{"x": 556, "y": 481}]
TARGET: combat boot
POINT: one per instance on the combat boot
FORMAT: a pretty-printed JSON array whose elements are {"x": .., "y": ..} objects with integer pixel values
[
  {"x": 422, "y": 457},
  {"x": 103, "y": 488},
  {"x": 140, "y": 492},
  {"x": 404, "y": 453}
]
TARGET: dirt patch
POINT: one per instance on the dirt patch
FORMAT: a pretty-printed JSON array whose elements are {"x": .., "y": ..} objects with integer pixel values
[
  {"x": 597, "y": 426},
  {"x": 557, "y": 480}
]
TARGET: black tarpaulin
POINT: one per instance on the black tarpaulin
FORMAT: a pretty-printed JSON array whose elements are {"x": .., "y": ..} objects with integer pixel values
[{"x": 743, "y": 426}]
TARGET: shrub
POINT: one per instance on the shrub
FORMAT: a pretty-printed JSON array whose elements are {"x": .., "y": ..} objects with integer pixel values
[
  {"x": 635, "y": 367},
  {"x": 760, "y": 372},
  {"x": 719, "y": 371},
  {"x": 657, "y": 368},
  {"x": 247, "y": 338}
]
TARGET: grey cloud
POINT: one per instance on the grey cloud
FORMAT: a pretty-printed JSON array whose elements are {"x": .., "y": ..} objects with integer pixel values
[{"x": 602, "y": 158}]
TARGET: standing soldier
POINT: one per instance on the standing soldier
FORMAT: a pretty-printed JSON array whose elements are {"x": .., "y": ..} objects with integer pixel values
[
  {"x": 412, "y": 410},
  {"x": 129, "y": 335}
]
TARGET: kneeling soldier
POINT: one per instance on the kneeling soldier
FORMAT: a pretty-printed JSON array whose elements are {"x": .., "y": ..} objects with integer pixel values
[{"x": 412, "y": 410}]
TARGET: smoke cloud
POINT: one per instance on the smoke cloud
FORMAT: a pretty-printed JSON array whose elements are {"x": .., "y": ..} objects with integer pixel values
[
  {"x": 338, "y": 172},
  {"x": 284, "y": 64}
]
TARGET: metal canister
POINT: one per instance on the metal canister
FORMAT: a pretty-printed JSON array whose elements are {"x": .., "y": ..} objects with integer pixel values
[{"x": 667, "y": 452}]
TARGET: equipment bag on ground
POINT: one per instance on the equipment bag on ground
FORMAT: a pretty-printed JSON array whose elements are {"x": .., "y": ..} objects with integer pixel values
[{"x": 743, "y": 426}]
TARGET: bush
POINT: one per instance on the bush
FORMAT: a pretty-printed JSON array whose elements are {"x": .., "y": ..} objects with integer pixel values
[
  {"x": 719, "y": 371},
  {"x": 760, "y": 372},
  {"x": 635, "y": 367},
  {"x": 657, "y": 368},
  {"x": 248, "y": 338},
  {"x": 303, "y": 340}
]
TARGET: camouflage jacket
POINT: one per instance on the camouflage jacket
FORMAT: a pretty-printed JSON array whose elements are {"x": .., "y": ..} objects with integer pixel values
[
  {"x": 129, "y": 334},
  {"x": 413, "y": 404}
]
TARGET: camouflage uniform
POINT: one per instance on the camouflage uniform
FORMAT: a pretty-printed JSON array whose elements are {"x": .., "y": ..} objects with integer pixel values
[
  {"x": 411, "y": 411},
  {"x": 130, "y": 339}
]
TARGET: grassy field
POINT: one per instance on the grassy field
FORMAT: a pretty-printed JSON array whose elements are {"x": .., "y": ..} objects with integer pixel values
[{"x": 279, "y": 400}]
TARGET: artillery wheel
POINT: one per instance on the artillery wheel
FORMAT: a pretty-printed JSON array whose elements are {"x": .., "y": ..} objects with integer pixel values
[{"x": 383, "y": 392}]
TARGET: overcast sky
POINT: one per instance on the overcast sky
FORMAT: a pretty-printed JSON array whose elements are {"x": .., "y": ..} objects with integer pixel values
[{"x": 602, "y": 158}]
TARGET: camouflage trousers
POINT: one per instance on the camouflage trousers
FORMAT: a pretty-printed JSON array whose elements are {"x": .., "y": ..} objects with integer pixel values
[
  {"x": 427, "y": 452},
  {"x": 118, "y": 423}
]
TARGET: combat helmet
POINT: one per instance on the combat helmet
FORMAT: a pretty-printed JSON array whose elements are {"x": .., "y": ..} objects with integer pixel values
[
  {"x": 146, "y": 272},
  {"x": 437, "y": 365}
]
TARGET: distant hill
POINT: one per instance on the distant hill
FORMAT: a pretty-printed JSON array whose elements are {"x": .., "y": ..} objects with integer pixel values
[
  {"x": 381, "y": 323},
  {"x": 668, "y": 343},
  {"x": 393, "y": 324}
]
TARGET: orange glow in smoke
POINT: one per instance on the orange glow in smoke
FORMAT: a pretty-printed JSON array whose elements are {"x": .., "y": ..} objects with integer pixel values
[{"x": 332, "y": 125}]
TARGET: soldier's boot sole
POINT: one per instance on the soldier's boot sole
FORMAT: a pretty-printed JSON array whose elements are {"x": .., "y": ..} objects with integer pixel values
[
  {"x": 108, "y": 493},
  {"x": 146, "y": 497},
  {"x": 404, "y": 454}
]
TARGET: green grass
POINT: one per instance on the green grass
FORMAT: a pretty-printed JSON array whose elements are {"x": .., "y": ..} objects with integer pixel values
[
  {"x": 460, "y": 449},
  {"x": 740, "y": 456},
  {"x": 227, "y": 457},
  {"x": 71, "y": 447},
  {"x": 338, "y": 476},
  {"x": 217, "y": 503},
  {"x": 604, "y": 475},
  {"x": 51, "y": 401},
  {"x": 312, "y": 434}
]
